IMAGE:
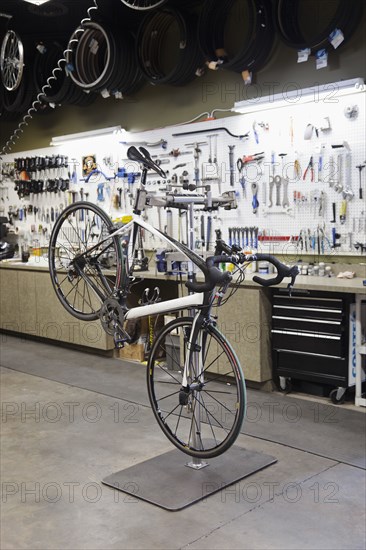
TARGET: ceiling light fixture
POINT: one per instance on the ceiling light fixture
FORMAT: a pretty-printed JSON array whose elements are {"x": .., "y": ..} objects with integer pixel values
[
  {"x": 60, "y": 140},
  {"x": 37, "y": 2},
  {"x": 328, "y": 93}
]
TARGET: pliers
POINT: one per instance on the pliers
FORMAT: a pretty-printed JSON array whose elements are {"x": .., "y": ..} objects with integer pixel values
[{"x": 311, "y": 167}]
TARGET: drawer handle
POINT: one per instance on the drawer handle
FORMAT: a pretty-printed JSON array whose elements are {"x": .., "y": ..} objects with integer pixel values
[
  {"x": 309, "y": 309},
  {"x": 307, "y": 335},
  {"x": 306, "y": 320}
]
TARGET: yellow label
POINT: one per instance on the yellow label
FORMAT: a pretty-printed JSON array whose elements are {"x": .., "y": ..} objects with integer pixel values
[{"x": 123, "y": 219}]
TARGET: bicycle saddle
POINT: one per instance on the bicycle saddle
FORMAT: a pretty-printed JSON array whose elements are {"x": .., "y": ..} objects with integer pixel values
[{"x": 143, "y": 156}]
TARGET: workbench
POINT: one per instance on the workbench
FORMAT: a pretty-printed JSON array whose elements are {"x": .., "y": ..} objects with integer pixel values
[{"x": 29, "y": 306}]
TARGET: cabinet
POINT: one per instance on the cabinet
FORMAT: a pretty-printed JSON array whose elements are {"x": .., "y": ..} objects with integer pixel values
[
  {"x": 310, "y": 336},
  {"x": 29, "y": 305}
]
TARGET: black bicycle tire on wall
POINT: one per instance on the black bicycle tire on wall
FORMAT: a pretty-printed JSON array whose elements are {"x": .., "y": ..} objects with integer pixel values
[
  {"x": 347, "y": 18},
  {"x": 256, "y": 46}
]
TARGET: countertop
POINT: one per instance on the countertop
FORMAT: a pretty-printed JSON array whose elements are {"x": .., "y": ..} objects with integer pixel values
[{"x": 307, "y": 282}]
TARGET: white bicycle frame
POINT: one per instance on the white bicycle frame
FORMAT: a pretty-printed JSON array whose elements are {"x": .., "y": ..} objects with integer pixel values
[{"x": 190, "y": 301}]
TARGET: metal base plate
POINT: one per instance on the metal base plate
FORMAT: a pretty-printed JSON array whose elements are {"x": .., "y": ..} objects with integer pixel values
[{"x": 167, "y": 483}]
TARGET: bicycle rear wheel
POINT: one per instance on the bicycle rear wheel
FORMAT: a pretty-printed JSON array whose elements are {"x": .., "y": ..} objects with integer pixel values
[
  {"x": 210, "y": 420},
  {"x": 84, "y": 279}
]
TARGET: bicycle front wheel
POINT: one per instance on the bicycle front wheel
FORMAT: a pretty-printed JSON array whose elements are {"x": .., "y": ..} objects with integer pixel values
[
  {"x": 205, "y": 420},
  {"x": 83, "y": 266}
]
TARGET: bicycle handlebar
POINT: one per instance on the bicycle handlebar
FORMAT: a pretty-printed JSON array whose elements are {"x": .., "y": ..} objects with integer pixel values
[{"x": 215, "y": 277}]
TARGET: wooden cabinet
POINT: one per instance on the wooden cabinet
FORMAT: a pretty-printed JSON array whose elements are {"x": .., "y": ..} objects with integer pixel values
[
  {"x": 29, "y": 305},
  {"x": 245, "y": 321}
]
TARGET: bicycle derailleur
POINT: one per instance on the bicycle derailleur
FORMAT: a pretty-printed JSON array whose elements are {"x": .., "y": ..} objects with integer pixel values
[{"x": 112, "y": 317}]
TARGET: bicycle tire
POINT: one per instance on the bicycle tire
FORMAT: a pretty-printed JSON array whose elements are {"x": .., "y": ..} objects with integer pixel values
[
  {"x": 143, "y": 5},
  {"x": 220, "y": 422},
  {"x": 73, "y": 231}
]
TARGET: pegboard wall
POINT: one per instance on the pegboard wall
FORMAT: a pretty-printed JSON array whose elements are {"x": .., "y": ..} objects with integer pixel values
[{"x": 297, "y": 131}]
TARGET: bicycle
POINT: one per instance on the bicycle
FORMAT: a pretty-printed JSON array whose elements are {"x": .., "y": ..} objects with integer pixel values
[{"x": 195, "y": 383}]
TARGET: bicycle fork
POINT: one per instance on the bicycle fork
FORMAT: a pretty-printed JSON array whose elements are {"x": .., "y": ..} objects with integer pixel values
[{"x": 193, "y": 382}]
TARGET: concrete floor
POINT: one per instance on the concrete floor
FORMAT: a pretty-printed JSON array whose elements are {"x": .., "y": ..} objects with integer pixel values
[{"x": 54, "y": 458}]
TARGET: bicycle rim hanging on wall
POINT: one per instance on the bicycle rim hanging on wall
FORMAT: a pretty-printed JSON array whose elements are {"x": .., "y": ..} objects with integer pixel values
[
  {"x": 143, "y": 4},
  {"x": 11, "y": 61}
]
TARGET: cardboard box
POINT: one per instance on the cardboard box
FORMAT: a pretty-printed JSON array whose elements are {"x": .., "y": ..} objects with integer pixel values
[{"x": 133, "y": 352}]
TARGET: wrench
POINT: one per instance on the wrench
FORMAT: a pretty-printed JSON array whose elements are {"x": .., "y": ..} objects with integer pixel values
[
  {"x": 285, "y": 202},
  {"x": 278, "y": 191},
  {"x": 255, "y": 202},
  {"x": 272, "y": 180}
]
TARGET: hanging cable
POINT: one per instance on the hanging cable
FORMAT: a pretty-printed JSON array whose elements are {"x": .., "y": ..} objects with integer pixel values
[{"x": 37, "y": 103}]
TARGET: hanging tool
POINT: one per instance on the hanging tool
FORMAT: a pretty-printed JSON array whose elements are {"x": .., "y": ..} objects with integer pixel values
[
  {"x": 231, "y": 165},
  {"x": 282, "y": 155},
  {"x": 173, "y": 153},
  {"x": 255, "y": 202},
  {"x": 335, "y": 237},
  {"x": 321, "y": 161},
  {"x": 203, "y": 231},
  {"x": 162, "y": 142},
  {"x": 221, "y": 129},
  {"x": 196, "y": 156},
  {"x": 100, "y": 194},
  {"x": 253, "y": 158},
  {"x": 240, "y": 167},
  {"x": 360, "y": 167},
  {"x": 278, "y": 190},
  {"x": 273, "y": 180},
  {"x": 285, "y": 201},
  {"x": 310, "y": 167},
  {"x": 208, "y": 232},
  {"x": 334, "y": 213},
  {"x": 255, "y": 132},
  {"x": 297, "y": 169},
  {"x": 343, "y": 212},
  {"x": 210, "y": 170}
]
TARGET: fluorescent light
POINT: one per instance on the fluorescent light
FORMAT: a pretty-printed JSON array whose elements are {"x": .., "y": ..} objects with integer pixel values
[
  {"x": 37, "y": 2},
  {"x": 292, "y": 95},
  {"x": 60, "y": 140}
]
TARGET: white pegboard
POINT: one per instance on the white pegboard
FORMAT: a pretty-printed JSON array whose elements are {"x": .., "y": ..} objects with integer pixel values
[{"x": 279, "y": 130}]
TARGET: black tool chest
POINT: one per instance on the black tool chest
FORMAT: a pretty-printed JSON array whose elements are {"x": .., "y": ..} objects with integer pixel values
[{"x": 310, "y": 336}]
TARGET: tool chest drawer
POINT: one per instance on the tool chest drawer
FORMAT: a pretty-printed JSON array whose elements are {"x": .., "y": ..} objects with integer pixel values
[
  {"x": 313, "y": 368},
  {"x": 312, "y": 342},
  {"x": 310, "y": 335}
]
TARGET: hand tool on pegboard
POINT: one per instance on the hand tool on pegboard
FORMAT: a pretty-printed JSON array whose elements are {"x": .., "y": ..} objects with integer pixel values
[
  {"x": 197, "y": 151},
  {"x": 231, "y": 165},
  {"x": 255, "y": 202},
  {"x": 240, "y": 166},
  {"x": 360, "y": 167},
  {"x": 309, "y": 168}
]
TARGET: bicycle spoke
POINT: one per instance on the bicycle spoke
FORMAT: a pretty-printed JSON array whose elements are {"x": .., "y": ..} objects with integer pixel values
[
  {"x": 209, "y": 421},
  {"x": 208, "y": 412},
  {"x": 169, "y": 395},
  {"x": 222, "y": 404}
]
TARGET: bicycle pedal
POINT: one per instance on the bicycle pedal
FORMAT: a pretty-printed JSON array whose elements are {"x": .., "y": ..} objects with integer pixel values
[{"x": 120, "y": 341}]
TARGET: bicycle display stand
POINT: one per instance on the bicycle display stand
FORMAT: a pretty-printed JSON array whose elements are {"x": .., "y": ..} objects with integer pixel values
[{"x": 165, "y": 481}]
